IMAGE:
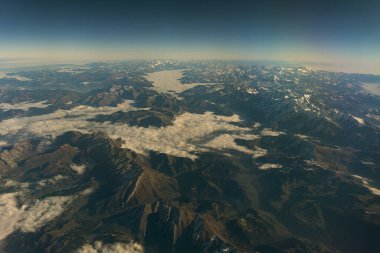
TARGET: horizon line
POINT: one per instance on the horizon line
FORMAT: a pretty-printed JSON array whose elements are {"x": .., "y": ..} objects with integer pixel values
[{"x": 28, "y": 62}]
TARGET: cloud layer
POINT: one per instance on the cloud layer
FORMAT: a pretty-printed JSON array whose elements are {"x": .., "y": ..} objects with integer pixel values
[
  {"x": 19, "y": 212},
  {"x": 28, "y": 218},
  {"x": 168, "y": 81},
  {"x": 190, "y": 133}
]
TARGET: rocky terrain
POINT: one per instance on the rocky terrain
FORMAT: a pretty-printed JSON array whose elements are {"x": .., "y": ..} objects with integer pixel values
[{"x": 253, "y": 159}]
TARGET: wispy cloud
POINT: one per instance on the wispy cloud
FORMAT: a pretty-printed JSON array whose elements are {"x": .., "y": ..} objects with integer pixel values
[
  {"x": 20, "y": 212},
  {"x": 28, "y": 218}
]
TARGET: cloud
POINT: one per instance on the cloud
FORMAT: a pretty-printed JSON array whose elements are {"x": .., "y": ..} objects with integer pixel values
[
  {"x": 17, "y": 77},
  {"x": 190, "y": 133},
  {"x": 168, "y": 81},
  {"x": 9, "y": 214},
  {"x": 19, "y": 213},
  {"x": 80, "y": 169},
  {"x": 366, "y": 183},
  {"x": 270, "y": 132},
  {"x": 259, "y": 152},
  {"x": 41, "y": 212},
  {"x": 267, "y": 166},
  {"x": 54, "y": 123},
  {"x": 28, "y": 218},
  {"x": 99, "y": 247},
  {"x": 26, "y": 185},
  {"x": 25, "y": 106},
  {"x": 52, "y": 180},
  {"x": 12, "y": 183},
  {"x": 3, "y": 144},
  {"x": 227, "y": 141}
]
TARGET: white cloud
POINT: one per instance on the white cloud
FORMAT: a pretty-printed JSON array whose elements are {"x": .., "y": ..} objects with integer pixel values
[
  {"x": 267, "y": 166},
  {"x": 366, "y": 184},
  {"x": 270, "y": 132},
  {"x": 359, "y": 120},
  {"x": 55, "y": 123},
  {"x": 3, "y": 144},
  {"x": 190, "y": 133},
  {"x": 259, "y": 152},
  {"x": 168, "y": 81},
  {"x": 9, "y": 214},
  {"x": 28, "y": 218},
  {"x": 302, "y": 136},
  {"x": 26, "y": 185},
  {"x": 227, "y": 141},
  {"x": 87, "y": 191},
  {"x": 41, "y": 212},
  {"x": 80, "y": 169},
  {"x": 52, "y": 180},
  {"x": 25, "y": 106},
  {"x": 18, "y": 77},
  {"x": 99, "y": 247},
  {"x": 12, "y": 183},
  {"x": 72, "y": 70},
  {"x": 256, "y": 125},
  {"x": 17, "y": 213},
  {"x": 3, "y": 74}
]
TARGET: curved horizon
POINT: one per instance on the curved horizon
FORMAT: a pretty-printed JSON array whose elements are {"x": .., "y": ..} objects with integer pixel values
[{"x": 342, "y": 35}]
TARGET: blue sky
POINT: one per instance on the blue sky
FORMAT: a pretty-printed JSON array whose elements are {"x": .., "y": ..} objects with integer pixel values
[{"x": 338, "y": 32}]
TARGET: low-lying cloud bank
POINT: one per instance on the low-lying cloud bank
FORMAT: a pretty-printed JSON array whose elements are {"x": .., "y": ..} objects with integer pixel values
[
  {"x": 190, "y": 133},
  {"x": 19, "y": 213},
  {"x": 53, "y": 124},
  {"x": 168, "y": 81},
  {"x": 28, "y": 218}
]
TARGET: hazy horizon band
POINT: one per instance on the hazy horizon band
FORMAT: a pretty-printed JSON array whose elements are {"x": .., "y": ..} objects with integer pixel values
[{"x": 341, "y": 33}]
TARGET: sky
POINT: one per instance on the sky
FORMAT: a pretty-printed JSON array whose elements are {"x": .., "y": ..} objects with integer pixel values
[{"x": 341, "y": 34}]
